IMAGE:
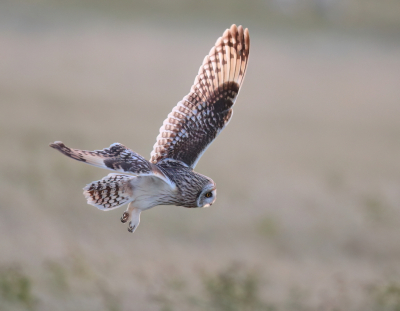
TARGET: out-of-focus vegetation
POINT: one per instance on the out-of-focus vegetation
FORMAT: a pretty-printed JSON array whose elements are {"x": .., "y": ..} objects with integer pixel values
[
  {"x": 15, "y": 287},
  {"x": 308, "y": 175}
]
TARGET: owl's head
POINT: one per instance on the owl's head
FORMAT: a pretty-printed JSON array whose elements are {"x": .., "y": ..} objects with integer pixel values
[{"x": 207, "y": 196}]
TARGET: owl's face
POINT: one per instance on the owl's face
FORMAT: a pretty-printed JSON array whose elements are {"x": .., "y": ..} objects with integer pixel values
[{"x": 207, "y": 196}]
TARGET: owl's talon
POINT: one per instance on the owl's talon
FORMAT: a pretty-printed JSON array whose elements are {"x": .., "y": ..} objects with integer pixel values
[
  {"x": 125, "y": 217},
  {"x": 131, "y": 229}
]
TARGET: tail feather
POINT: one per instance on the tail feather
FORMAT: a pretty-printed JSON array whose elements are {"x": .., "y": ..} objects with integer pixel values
[{"x": 110, "y": 192}]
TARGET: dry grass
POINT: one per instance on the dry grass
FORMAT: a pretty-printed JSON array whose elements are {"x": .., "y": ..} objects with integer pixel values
[{"x": 308, "y": 172}]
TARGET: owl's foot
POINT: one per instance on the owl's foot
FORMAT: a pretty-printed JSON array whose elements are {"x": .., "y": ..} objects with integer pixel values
[
  {"x": 131, "y": 227},
  {"x": 125, "y": 217},
  {"x": 132, "y": 215}
]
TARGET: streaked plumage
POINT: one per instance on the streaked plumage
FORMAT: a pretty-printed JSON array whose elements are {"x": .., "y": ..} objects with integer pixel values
[{"x": 168, "y": 178}]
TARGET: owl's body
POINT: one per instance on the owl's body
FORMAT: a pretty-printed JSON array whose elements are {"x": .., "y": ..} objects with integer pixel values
[{"x": 168, "y": 178}]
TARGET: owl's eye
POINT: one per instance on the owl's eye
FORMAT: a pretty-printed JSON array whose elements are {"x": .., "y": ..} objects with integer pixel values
[{"x": 208, "y": 195}]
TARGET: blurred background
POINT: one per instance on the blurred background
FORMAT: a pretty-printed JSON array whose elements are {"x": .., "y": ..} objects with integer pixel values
[{"x": 308, "y": 171}]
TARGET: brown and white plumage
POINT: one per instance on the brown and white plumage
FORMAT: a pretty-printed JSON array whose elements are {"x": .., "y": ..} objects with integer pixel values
[
  {"x": 168, "y": 178},
  {"x": 110, "y": 192},
  {"x": 116, "y": 157},
  {"x": 202, "y": 114}
]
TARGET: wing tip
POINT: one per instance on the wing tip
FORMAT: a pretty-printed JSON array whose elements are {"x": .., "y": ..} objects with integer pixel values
[
  {"x": 247, "y": 41},
  {"x": 218, "y": 42},
  {"x": 57, "y": 145},
  {"x": 226, "y": 35}
]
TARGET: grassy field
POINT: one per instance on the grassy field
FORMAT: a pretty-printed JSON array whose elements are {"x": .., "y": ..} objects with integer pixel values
[{"x": 308, "y": 171}]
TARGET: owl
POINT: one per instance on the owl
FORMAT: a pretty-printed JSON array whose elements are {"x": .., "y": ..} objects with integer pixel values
[{"x": 169, "y": 177}]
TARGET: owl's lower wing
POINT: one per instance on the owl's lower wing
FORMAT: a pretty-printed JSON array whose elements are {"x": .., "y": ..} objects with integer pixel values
[
  {"x": 116, "y": 157},
  {"x": 202, "y": 114}
]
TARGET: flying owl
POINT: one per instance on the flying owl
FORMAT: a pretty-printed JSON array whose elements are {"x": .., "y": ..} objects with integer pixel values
[{"x": 169, "y": 177}]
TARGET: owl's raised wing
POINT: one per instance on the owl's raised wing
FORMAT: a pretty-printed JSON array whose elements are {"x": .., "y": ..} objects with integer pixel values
[{"x": 202, "y": 114}]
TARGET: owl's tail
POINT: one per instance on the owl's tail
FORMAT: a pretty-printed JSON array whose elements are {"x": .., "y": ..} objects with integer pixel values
[{"x": 111, "y": 192}]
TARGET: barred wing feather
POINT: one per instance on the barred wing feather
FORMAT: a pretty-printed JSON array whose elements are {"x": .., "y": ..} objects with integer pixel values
[{"x": 201, "y": 115}]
